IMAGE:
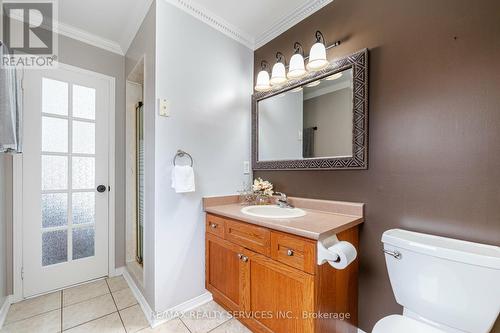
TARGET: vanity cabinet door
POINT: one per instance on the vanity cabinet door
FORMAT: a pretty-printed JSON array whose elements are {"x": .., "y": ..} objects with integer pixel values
[
  {"x": 277, "y": 296},
  {"x": 224, "y": 271}
]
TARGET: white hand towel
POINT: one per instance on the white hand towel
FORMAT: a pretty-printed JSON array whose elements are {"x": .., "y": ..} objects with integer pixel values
[{"x": 183, "y": 179}]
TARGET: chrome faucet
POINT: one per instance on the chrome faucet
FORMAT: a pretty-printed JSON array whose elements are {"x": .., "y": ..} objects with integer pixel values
[{"x": 283, "y": 201}]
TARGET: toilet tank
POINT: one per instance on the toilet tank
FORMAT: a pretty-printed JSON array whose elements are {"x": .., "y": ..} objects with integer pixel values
[{"x": 451, "y": 283}]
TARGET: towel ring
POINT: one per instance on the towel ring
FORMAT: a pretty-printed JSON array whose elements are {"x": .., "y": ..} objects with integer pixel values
[{"x": 182, "y": 153}]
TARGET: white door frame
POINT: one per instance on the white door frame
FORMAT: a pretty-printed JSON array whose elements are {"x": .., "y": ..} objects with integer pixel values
[{"x": 17, "y": 229}]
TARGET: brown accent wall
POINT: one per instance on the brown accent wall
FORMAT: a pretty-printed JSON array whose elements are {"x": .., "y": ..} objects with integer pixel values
[{"x": 434, "y": 156}]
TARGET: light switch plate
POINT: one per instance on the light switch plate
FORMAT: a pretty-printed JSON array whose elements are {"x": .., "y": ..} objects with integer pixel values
[
  {"x": 164, "y": 107},
  {"x": 246, "y": 168}
]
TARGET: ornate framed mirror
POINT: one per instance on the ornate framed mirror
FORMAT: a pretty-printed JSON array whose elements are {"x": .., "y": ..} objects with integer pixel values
[{"x": 317, "y": 122}]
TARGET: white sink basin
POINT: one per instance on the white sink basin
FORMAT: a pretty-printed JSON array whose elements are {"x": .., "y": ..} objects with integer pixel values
[{"x": 273, "y": 212}]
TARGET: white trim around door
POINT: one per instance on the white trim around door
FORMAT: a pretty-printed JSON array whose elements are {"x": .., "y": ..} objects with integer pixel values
[{"x": 18, "y": 195}]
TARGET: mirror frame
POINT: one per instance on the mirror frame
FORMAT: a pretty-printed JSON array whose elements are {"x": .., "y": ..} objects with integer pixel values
[{"x": 358, "y": 61}]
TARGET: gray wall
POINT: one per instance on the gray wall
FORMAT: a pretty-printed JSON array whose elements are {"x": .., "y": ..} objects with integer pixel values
[
  {"x": 332, "y": 114},
  {"x": 207, "y": 77},
  {"x": 144, "y": 45},
  {"x": 280, "y": 122}
]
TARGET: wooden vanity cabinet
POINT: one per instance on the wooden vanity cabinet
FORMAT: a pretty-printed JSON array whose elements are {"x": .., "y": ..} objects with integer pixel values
[{"x": 271, "y": 283}]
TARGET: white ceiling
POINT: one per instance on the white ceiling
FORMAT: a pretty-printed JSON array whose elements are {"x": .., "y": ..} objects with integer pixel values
[{"x": 112, "y": 24}]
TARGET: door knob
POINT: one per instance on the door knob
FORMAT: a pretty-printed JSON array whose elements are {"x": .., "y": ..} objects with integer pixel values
[{"x": 101, "y": 188}]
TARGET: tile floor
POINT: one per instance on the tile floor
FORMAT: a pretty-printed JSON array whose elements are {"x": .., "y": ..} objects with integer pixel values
[{"x": 107, "y": 306}]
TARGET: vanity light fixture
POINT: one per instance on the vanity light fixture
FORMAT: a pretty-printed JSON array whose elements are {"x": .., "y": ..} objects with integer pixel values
[
  {"x": 334, "y": 77},
  {"x": 278, "y": 76},
  {"x": 317, "y": 55},
  {"x": 263, "y": 83},
  {"x": 297, "y": 69}
]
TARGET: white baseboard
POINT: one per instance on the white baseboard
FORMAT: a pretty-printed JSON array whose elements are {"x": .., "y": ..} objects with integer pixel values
[
  {"x": 148, "y": 312},
  {"x": 5, "y": 309},
  {"x": 152, "y": 315},
  {"x": 181, "y": 308},
  {"x": 117, "y": 271}
]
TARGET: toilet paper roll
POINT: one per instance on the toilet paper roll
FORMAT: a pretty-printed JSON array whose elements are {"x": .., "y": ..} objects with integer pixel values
[{"x": 346, "y": 253}]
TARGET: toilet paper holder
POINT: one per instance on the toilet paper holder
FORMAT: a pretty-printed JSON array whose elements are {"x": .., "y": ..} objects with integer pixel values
[{"x": 324, "y": 255}]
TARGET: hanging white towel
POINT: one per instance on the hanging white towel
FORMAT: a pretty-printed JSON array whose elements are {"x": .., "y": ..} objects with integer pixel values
[{"x": 183, "y": 179}]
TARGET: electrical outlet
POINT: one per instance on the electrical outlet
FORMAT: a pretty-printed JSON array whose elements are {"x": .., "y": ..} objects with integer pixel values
[
  {"x": 164, "y": 107},
  {"x": 246, "y": 167}
]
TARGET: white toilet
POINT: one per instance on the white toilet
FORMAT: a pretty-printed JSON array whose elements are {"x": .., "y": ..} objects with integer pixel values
[{"x": 444, "y": 285}]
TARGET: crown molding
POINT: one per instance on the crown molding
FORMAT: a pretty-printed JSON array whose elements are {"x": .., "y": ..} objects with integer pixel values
[
  {"x": 78, "y": 34},
  {"x": 88, "y": 38},
  {"x": 289, "y": 21},
  {"x": 218, "y": 23},
  {"x": 213, "y": 20},
  {"x": 134, "y": 25}
]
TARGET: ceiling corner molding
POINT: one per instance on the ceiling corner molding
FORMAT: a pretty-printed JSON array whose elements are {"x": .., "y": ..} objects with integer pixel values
[
  {"x": 88, "y": 38},
  {"x": 213, "y": 20},
  {"x": 134, "y": 26},
  {"x": 289, "y": 21},
  {"x": 79, "y": 35}
]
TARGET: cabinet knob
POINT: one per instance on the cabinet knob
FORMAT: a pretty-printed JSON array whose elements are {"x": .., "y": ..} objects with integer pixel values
[
  {"x": 244, "y": 258},
  {"x": 240, "y": 256},
  {"x": 289, "y": 253},
  {"x": 213, "y": 226}
]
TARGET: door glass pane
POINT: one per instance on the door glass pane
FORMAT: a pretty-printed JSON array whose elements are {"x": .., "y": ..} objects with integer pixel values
[
  {"x": 54, "y": 247},
  {"x": 83, "y": 173},
  {"x": 83, "y": 242},
  {"x": 54, "y": 135},
  {"x": 83, "y": 137},
  {"x": 54, "y": 97},
  {"x": 54, "y": 172},
  {"x": 83, "y": 102},
  {"x": 83, "y": 208},
  {"x": 54, "y": 210}
]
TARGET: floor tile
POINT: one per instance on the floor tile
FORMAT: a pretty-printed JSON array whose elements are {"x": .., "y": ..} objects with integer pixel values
[
  {"x": 134, "y": 319},
  {"x": 94, "y": 308},
  {"x": 172, "y": 326},
  {"x": 205, "y": 318},
  {"x": 33, "y": 306},
  {"x": 231, "y": 326},
  {"x": 84, "y": 292},
  {"x": 124, "y": 298},
  {"x": 117, "y": 283},
  {"x": 49, "y": 322},
  {"x": 109, "y": 324}
]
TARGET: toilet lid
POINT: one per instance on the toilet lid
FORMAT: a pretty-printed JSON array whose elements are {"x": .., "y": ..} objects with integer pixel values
[{"x": 399, "y": 324}]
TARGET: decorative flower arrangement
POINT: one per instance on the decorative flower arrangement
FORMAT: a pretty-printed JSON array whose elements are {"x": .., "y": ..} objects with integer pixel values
[{"x": 262, "y": 187}]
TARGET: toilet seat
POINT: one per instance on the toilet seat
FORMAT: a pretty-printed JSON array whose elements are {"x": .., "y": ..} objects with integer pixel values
[{"x": 400, "y": 324}]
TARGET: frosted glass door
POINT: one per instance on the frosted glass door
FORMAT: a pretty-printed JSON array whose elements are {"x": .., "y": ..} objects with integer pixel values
[{"x": 66, "y": 224}]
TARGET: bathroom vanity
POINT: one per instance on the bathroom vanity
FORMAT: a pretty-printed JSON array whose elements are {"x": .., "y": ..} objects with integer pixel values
[{"x": 265, "y": 270}]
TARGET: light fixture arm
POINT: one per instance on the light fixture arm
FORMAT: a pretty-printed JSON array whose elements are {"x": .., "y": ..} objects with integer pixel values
[
  {"x": 264, "y": 65},
  {"x": 298, "y": 48},
  {"x": 280, "y": 58},
  {"x": 320, "y": 38}
]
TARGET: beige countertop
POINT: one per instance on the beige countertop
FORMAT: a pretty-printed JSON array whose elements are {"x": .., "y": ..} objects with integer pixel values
[{"x": 323, "y": 219}]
